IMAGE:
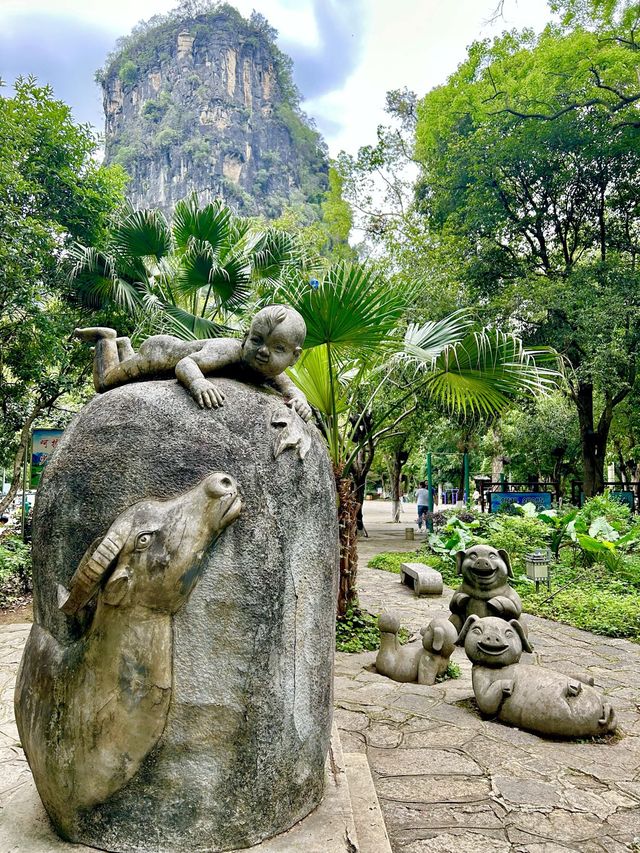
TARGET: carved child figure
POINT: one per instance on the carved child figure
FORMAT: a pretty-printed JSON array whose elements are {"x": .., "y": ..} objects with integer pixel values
[
  {"x": 485, "y": 589},
  {"x": 527, "y": 696},
  {"x": 273, "y": 343}
]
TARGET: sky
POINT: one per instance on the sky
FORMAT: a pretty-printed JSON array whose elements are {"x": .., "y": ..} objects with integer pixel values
[{"x": 347, "y": 53}]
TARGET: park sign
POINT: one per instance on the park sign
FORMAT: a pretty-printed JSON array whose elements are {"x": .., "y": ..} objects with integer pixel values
[
  {"x": 542, "y": 500},
  {"x": 43, "y": 443}
]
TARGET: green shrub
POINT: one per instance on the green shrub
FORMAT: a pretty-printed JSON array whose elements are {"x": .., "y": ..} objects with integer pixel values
[
  {"x": 617, "y": 514},
  {"x": 128, "y": 73},
  {"x": 357, "y": 631},
  {"x": 15, "y": 570},
  {"x": 391, "y": 561}
]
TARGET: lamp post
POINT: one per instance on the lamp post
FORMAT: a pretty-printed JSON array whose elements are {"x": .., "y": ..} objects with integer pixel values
[{"x": 538, "y": 567}]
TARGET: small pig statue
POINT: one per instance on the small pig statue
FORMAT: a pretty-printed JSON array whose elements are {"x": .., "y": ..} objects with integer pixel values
[
  {"x": 485, "y": 589},
  {"x": 418, "y": 661},
  {"x": 529, "y": 697}
]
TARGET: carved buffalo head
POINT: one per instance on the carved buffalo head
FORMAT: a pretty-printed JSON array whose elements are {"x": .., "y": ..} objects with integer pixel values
[{"x": 152, "y": 553}]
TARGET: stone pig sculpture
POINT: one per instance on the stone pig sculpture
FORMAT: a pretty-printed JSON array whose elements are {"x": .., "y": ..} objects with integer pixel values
[
  {"x": 420, "y": 661},
  {"x": 88, "y": 713},
  {"x": 529, "y": 697},
  {"x": 485, "y": 589}
]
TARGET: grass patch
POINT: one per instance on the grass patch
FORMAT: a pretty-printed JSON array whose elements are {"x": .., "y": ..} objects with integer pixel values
[
  {"x": 452, "y": 671},
  {"x": 15, "y": 571},
  {"x": 357, "y": 631}
]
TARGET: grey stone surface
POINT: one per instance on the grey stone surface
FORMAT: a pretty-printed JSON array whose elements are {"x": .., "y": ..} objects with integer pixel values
[
  {"x": 242, "y": 754},
  {"x": 422, "y": 579}
]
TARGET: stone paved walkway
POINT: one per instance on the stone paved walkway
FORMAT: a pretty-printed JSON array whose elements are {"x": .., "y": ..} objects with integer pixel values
[{"x": 447, "y": 780}]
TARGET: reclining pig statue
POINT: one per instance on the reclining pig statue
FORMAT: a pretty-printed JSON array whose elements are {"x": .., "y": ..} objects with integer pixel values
[
  {"x": 422, "y": 661},
  {"x": 528, "y": 696}
]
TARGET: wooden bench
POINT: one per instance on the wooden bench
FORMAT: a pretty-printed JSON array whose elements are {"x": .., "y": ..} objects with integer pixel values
[{"x": 422, "y": 579}]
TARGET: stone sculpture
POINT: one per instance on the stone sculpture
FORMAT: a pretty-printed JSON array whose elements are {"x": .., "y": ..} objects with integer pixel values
[
  {"x": 485, "y": 589},
  {"x": 88, "y": 713},
  {"x": 273, "y": 343},
  {"x": 527, "y": 696},
  {"x": 422, "y": 661},
  {"x": 438, "y": 641},
  {"x": 252, "y": 647}
]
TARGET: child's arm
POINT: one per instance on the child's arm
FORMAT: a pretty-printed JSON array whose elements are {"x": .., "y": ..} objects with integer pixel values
[
  {"x": 293, "y": 396},
  {"x": 191, "y": 370}
]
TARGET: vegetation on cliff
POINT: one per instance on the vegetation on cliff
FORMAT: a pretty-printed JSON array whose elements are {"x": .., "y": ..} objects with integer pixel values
[{"x": 288, "y": 161}]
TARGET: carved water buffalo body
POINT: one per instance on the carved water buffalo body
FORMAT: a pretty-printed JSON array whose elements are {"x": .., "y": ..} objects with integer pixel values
[{"x": 88, "y": 713}]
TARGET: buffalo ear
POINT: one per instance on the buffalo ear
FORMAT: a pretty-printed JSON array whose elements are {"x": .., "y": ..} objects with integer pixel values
[
  {"x": 519, "y": 629},
  {"x": 462, "y": 636},
  {"x": 506, "y": 560},
  {"x": 459, "y": 560}
]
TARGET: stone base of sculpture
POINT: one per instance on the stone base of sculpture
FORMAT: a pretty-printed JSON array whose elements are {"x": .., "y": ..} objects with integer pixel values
[{"x": 240, "y": 755}]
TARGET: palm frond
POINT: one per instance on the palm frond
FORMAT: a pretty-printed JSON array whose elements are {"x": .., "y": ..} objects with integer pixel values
[
  {"x": 486, "y": 370},
  {"x": 424, "y": 343},
  {"x": 311, "y": 374},
  {"x": 141, "y": 234},
  {"x": 189, "y": 327},
  {"x": 352, "y": 308},
  {"x": 210, "y": 224}
]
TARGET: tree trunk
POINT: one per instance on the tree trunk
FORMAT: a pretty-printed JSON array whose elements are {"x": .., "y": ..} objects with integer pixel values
[
  {"x": 400, "y": 457},
  {"x": 348, "y": 506},
  {"x": 594, "y": 440}
]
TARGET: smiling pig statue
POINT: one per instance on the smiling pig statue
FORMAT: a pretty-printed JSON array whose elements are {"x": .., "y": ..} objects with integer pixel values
[
  {"x": 485, "y": 589},
  {"x": 527, "y": 696}
]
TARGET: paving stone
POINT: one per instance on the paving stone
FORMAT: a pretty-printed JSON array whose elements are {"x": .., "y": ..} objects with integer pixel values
[
  {"x": 384, "y": 736},
  {"x": 526, "y": 791},
  {"x": 350, "y": 721},
  {"x": 438, "y": 816},
  {"x": 420, "y": 762},
  {"x": 353, "y": 741},
  {"x": 449, "y": 842},
  {"x": 440, "y": 736},
  {"x": 434, "y": 789},
  {"x": 557, "y": 825}
]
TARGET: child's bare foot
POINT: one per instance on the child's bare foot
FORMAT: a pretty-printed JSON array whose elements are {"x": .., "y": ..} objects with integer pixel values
[{"x": 95, "y": 333}]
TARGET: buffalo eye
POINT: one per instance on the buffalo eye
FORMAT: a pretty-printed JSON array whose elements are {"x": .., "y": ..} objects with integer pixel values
[{"x": 143, "y": 540}]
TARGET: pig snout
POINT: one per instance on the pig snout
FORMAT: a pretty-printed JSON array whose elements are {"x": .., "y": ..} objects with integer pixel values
[{"x": 482, "y": 565}]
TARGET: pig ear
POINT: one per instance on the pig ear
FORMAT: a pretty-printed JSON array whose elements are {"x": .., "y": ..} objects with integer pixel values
[
  {"x": 459, "y": 559},
  {"x": 519, "y": 629},
  {"x": 507, "y": 561},
  {"x": 471, "y": 620}
]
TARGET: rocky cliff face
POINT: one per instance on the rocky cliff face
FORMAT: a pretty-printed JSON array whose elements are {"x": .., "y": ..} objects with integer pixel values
[{"x": 206, "y": 105}]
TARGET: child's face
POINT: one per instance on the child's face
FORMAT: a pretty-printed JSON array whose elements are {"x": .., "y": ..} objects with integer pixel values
[{"x": 270, "y": 350}]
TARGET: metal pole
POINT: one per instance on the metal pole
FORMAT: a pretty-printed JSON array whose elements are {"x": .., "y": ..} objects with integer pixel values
[
  {"x": 24, "y": 487},
  {"x": 429, "y": 493},
  {"x": 502, "y": 481},
  {"x": 466, "y": 479}
]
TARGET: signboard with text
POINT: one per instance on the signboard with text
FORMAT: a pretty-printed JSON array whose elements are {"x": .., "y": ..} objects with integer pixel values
[
  {"x": 542, "y": 500},
  {"x": 43, "y": 443}
]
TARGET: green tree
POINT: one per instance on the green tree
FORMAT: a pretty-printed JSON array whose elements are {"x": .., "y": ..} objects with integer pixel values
[
  {"x": 192, "y": 278},
  {"x": 51, "y": 192},
  {"x": 357, "y": 341},
  {"x": 530, "y": 159}
]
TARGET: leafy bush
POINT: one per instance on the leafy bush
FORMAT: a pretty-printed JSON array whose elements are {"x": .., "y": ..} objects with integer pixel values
[
  {"x": 615, "y": 512},
  {"x": 15, "y": 570},
  {"x": 128, "y": 73},
  {"x": 357, "y": 631}
]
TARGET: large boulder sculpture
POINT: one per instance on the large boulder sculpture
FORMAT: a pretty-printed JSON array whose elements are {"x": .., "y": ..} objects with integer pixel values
[
  {"x": 527, "y": 696},
  {"x": 234, "y": 750}
]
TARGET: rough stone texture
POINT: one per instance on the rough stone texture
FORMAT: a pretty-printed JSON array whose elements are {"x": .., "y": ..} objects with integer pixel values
[
  {"x": 207, "y": 113},
  {"x": 242, "y": 754}
]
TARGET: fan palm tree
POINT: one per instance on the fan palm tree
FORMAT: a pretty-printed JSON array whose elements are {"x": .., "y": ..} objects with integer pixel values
[
  {"x": 192, "y": 277},
  {"x": 357, "y": 345}
]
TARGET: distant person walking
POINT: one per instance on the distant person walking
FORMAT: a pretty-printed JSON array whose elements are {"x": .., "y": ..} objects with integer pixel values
[{"x": 422, "y": 497}]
